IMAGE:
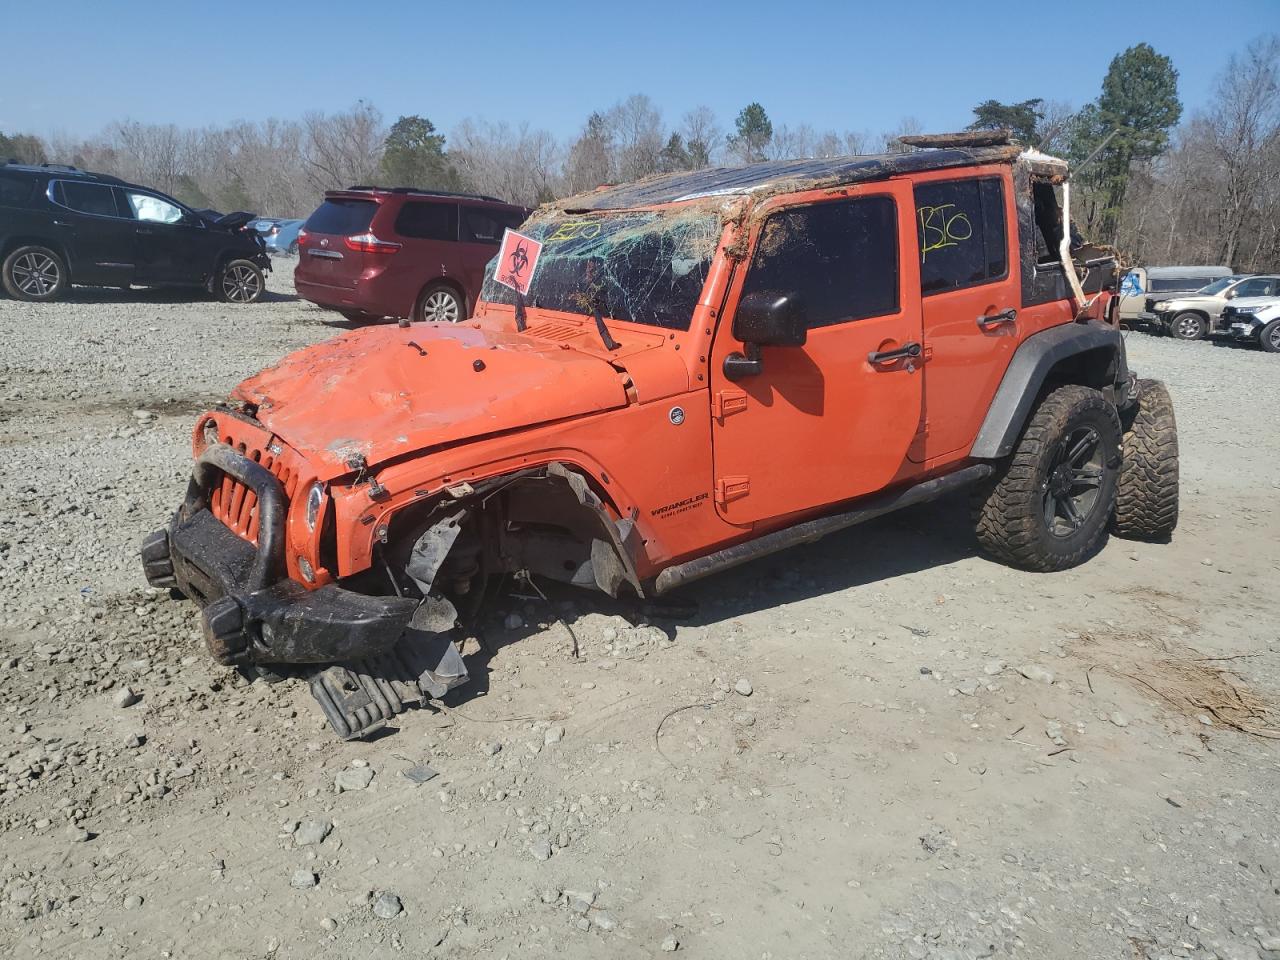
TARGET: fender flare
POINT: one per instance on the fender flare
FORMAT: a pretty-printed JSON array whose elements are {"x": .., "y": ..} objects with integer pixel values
[{"x": 1031, "y": 366}]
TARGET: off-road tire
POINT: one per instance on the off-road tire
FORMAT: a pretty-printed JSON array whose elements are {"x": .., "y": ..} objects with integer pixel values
[
  {"x": 1269, "y": 337},
  {"x": 440, "y": 303},
  {"x": 1147, "y": 492},
  {"x": 1009, "y": 513},
  {"x": 239, "y": 282},
  {"x": 1188, "y": 325},
  {"x": 35, "y": 274}
]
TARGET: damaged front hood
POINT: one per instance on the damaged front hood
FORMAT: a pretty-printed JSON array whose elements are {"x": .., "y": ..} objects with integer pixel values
[{"x": 385, "y": 391}]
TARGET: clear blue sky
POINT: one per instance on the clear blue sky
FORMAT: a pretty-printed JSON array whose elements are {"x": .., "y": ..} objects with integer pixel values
[{"x": 74, "y": 66}]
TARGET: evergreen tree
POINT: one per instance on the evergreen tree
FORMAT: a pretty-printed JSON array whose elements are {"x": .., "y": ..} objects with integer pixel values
[
  {"x": 1140, "y": 101},
  {"x": 414, "y": 156},
  {"x": 755, "y": 130}
]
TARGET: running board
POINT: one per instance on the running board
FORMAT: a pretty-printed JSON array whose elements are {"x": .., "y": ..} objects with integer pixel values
[{"x": 812, "y": 530}]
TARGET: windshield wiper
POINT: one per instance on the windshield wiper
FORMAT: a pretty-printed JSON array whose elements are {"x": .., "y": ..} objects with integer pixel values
[
  {"x": 521, "y": 319},
  {"x": 608, "y": 341}
]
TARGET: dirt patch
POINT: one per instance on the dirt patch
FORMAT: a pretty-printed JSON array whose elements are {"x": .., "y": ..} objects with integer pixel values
[
  {"x": 1186, "y": 681},
  {"x": 184, "y": 407}
]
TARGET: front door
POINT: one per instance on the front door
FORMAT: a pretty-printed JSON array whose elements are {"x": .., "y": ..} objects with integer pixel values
[
  {"x": 172, "y": 246},
  {"x": 970, "y": 298},
  {"x": 830, "y": 420}
]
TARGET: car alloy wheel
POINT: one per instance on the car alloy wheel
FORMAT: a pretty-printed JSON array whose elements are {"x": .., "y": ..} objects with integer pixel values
[
  {"x": 241, "y": 284},
  {"x": 1074, "y": 479},
  {"x": 1188, "y": 326},
  {"x": 35, "y": 274},
  {"x": 1272, "y": 334},
  {"x": 441, "y": 307}
]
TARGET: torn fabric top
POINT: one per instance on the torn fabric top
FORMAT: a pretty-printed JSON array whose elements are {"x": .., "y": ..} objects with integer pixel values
[{"x": 797, "y": 174}]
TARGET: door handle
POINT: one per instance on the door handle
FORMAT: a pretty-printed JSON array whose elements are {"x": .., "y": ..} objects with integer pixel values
[
  {"x": 907, "y": 351},
  {"x": 993, "y": 319}
]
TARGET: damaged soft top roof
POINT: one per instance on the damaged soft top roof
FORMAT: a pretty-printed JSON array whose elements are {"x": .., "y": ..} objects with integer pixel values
[{"x": 797, "y": 174}]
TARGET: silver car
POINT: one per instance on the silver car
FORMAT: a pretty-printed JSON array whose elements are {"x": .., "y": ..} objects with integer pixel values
[{"x": 1194, "y": 316}]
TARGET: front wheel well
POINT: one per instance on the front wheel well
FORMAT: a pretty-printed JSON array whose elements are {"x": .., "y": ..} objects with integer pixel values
[{"x": 550, "y": 521}]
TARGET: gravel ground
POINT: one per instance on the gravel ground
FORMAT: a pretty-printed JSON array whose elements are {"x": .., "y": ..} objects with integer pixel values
[{"x": 882, "y": 745}]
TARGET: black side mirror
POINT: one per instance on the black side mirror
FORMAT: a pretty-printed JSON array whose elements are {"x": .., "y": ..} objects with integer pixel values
[
  {"x": 770, "y": 318},
  {"x": 766, "y": 318}
]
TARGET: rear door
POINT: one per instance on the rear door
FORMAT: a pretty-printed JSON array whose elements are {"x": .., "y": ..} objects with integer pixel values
[
  {"x": 970, "y": 298},
  {"x": 99, "y": 234},
  {"x": 326, "y": 259},
  {"x": 428, "y": 231},
  {"x": 824, "y": 422}
]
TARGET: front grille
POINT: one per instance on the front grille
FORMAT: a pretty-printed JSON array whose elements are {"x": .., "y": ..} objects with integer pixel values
[{"x": 235, "y": 504}]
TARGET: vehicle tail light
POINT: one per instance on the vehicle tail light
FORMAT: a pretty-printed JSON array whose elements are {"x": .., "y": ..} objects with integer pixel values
[
  {"x": 368, "y": 243},
  {"x": 302, "y": 238}
]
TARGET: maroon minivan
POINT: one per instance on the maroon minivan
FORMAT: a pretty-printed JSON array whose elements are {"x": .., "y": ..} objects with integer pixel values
[{"x": 371, "y": 252}]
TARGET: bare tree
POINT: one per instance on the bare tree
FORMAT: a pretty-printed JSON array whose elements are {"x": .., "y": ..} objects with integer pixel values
[
  {"x": 1053, "y": 130},
  {"x": 590, "y": 160},
  {"x": 1242, "y": 124},
  {"x": 343, "y": 148},
  {"x": 891, "y": 142},
  {"x": 703, "y": 137},
  {"x": 791, "y": 143},
  {"x": 638, "y": 138},
  {"x": 515, "y": 164}
]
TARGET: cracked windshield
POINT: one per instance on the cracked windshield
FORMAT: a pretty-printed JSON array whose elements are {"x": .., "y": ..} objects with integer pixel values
[{"x": 644, "y": 267}]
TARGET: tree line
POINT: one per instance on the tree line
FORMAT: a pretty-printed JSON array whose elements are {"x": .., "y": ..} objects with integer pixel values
[{"x": 1159, "y": 185}]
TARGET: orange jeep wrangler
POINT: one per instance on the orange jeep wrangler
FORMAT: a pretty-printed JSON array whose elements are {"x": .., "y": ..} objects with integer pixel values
[{"x": 704, "y": 368}]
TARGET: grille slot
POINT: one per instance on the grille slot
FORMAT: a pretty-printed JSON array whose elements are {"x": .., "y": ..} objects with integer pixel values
[
  {"x": 558, "y": 332},
  {"x": 235, "y": 505}
]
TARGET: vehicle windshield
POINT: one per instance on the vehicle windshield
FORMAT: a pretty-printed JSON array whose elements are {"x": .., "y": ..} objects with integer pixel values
[
  {"x": 643, "y": 266},
  {"x": 1217, "y": 286}
]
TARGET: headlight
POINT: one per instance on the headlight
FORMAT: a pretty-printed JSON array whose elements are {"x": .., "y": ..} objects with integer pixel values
[{"x": 315, "y": 500}]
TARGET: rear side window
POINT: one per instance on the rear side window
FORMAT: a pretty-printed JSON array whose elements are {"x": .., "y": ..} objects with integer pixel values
[
  {"x": 841, "y": 258},
  {"x": 94, "y": 198},
  {"x": 962, "y": 236},
  {"x": 428, "y": 221},
  {"x": 1175, "y": 284},
  {"x": 15, "y": 191},
  {"x": 485, "y": 225},
  {"x": 343, "y": 217}
]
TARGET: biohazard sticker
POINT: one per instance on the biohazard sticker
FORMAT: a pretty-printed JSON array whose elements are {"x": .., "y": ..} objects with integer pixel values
[{"x": 517, "y": 261}]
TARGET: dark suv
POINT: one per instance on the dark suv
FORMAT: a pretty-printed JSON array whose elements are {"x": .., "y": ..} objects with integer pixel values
[
  {"x": 371, "y": 252},
  {"x": 61, "y": 226}
]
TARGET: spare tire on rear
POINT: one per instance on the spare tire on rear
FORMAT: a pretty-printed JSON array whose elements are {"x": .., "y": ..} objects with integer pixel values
[{"x": 1147, "y": 494}]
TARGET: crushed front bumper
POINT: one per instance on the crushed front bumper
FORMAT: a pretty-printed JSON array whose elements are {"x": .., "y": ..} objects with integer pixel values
[{"x": 252, "y": 613}]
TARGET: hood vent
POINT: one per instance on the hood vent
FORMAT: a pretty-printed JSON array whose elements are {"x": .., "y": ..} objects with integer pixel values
[{"x": 559, "y": 332}]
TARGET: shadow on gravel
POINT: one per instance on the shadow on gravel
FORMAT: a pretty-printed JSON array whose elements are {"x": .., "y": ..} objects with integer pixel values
[
  {"x": 146, "y": 295},
  {"x": 920, "y": 538}
]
